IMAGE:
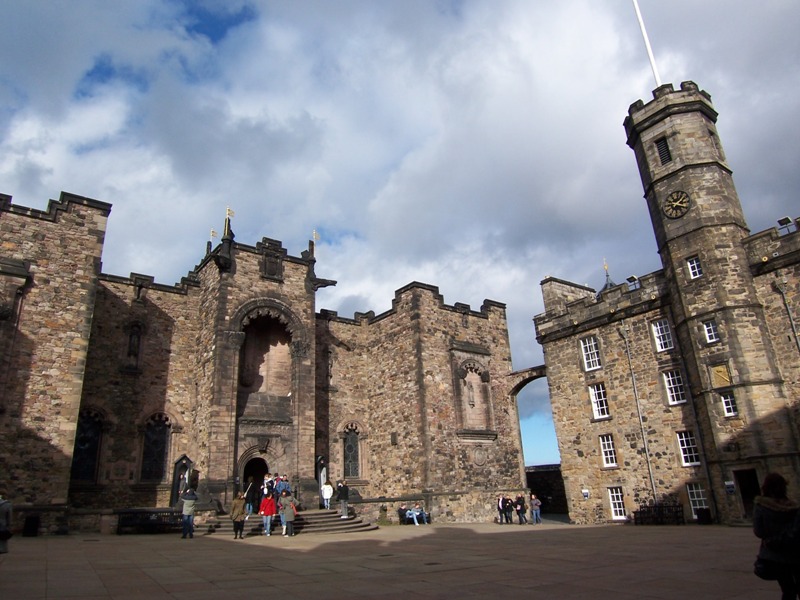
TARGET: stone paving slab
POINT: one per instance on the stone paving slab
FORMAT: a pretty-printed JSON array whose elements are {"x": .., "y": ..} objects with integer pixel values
[{"x": 485, "y": 561}]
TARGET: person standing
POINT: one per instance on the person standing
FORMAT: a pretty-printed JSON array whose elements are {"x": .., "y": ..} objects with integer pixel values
[
  {"x": 238, "y": 513},
  {"x": 252, "y": 496},
  {"x": 189, "y": 499},
  {"x": 508, "y": 509},
  {"x": 500, "y": 510},
  {"x": 267, "y": 510},
  {"x": 5, "y": 523},
  {"x": 536, "y": 510},
  {"x": 343, "y": 495},
  {"x": 773, "y": 515},
  {"x": 519, "y": 506},
  {"x": 288, "y": 510},
  {"x": 327, "y": 494}
]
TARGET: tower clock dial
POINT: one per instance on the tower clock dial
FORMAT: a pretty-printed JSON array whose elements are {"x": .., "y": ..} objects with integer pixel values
[{"x": 676, "y": 204}]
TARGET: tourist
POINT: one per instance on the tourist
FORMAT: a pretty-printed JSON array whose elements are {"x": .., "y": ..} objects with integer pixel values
[
  {"x": 417, "y": 513},
  {"x": 508, "y": 509},
  {"x": 521, "y": 508},
  {"x": 238, "y": 513},
  {"x": 402, "y": 514},
  {"x": 282, "y": 484},
  {"x": 5, "y": 522},
  {"x": 500, "y": 510},
  {"x": 327, "y": 494},
  {"x": 189, "y": 499},
  {"x": 252, "y": 496},
  {"x": 268, "y": 486},
  {"x": 288, "y": 510},
  {"x": 773, "y": 515},
  {"x": 343, "y": 495},
  {"x": 536, "y": 510},
  {"x": 267, "y": 510}
]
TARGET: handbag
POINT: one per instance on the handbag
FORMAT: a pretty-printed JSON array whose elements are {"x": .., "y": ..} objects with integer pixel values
[
  {"x": 766, "y": 569},
  {"x": 5, "y": 535}
]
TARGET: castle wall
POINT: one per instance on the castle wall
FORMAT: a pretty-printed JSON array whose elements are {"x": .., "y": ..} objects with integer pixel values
[
  {"x": 45, "y": 340},
  {"x": 396, "y": 377}
]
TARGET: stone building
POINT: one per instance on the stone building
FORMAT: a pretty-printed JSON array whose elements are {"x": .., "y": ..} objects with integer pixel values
[
  {"x": 116, "y": 391},
  {"x": 681, "y": 385}
]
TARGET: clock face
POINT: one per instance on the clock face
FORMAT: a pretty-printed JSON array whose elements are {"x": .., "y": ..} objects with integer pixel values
[{"x": 676, "y": 205}]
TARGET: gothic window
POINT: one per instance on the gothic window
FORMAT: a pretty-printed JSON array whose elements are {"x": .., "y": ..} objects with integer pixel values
[
  {"x": 155, "y": 447},
  {"x": 86, "y": 455},
  {"x": 351, "y": 452},
  {"x": 591, "y": 353}
]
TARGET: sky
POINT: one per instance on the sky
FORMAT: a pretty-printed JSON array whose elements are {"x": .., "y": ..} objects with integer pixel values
[{"x": 474, "y": 145}]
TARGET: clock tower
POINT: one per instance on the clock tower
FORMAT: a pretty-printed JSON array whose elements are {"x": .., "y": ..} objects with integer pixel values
[{"x": 713, "y": 301}]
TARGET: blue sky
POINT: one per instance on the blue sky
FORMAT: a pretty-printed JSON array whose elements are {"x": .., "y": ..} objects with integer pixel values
[{"x": 475, "y": 145}]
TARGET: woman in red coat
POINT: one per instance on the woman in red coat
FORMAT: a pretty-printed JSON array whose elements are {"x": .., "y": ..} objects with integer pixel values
[{"x": 267, "y": 510}]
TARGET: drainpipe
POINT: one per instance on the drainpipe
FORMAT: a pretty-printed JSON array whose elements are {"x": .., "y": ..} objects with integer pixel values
[{"x": 623, "y": 331}]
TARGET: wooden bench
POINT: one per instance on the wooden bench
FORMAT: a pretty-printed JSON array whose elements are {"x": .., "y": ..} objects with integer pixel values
[
  {"x": 149, "y": 520},
  {"x": 659, "y": 514}
]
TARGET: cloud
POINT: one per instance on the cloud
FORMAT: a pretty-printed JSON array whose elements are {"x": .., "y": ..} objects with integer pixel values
[{"x": 473, "y": 145}]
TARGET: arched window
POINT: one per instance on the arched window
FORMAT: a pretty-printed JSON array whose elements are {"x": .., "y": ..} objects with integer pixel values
[
  {"x": 155, "y": 447},
  {"x": 351, "y": 452},
  {"x": 86, "y": 455}
]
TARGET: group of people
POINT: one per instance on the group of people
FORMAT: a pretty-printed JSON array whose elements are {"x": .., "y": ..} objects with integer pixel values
[
  {"x": 415, "y": 514},
  {"x": 506, "y": 507},
  {"x": 271, "y": 498},
  {"x": 776, "y": 520}
]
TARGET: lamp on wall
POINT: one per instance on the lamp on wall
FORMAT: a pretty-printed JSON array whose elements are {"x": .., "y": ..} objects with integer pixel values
[
  {"x": 633, "y": 282},
  {"x": 785, "y": 223}
]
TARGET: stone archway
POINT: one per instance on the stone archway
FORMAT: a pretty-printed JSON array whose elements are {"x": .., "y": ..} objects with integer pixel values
[{"x": 256, "y": 467}]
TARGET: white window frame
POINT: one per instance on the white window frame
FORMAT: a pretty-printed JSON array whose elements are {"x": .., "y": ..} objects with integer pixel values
[
  {"x": 590, "y": 350},
  {"x": 676, "y": 390},
  {"x": 729, "y": 403},
  {"x": 616, "y": 501},
  {"x": 690, "y": 453},
  {"x": 599, "y": 398},
  {"x": 608, "y": 451},
  {"x": 711, "y": 331},
  {"x": 662, "y": 335},
  {"x": 697, "y": 497},
  {"x": 695, "y": 267}
]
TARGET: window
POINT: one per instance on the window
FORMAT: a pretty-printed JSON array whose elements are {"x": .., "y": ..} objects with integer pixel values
[
  {"x": 351, "y": 456},
  {"x": 607, "y": 448},
  {"x": 688, "y": 445},
  {"x": 615, "y": 499},
  {"x": 729, "y": 404},
  {"x": 695, "y": 268},
  {"x": 664, "y": 154},
  {"x": 597, "y": 392},
  {"x": 673, "y": 382},
  {"x": 591, "y": 353},
  {"x": 156, "y": 447},
  {"x": 662, "y": 335},
  {"x": 711, "y": 331},
  {"x": 697, "y": 497},
  {"x": 88, "y": 438}
]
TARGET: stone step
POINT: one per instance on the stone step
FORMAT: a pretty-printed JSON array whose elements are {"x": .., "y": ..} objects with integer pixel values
[{"x": 308, "y": 521}]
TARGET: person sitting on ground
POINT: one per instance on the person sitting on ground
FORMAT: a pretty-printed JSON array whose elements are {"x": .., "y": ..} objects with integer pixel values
[
  {"x": 417, "y": 514},
  {"x": 402, "y": 514}
]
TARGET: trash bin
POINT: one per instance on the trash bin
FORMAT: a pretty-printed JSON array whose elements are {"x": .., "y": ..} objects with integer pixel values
[
  {"x": 704, "y": 516},
  {"x": 31, "y": 526}
]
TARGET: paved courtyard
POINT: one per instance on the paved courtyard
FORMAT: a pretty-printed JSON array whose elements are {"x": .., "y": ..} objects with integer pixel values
[{"x": 485, "y": 561}]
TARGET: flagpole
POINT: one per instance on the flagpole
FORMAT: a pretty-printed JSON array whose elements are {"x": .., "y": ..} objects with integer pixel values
[{"x": 647, "y": 43}]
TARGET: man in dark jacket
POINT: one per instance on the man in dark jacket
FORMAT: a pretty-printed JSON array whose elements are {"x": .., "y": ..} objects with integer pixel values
[{"x": 344, "y": 496}]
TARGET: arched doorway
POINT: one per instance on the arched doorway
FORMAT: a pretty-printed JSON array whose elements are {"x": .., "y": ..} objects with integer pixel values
[{"x": 256, "y": 468}]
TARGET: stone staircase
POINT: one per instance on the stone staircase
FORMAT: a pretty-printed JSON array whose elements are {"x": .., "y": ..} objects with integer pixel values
[{"x": 307, "y": 521}]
